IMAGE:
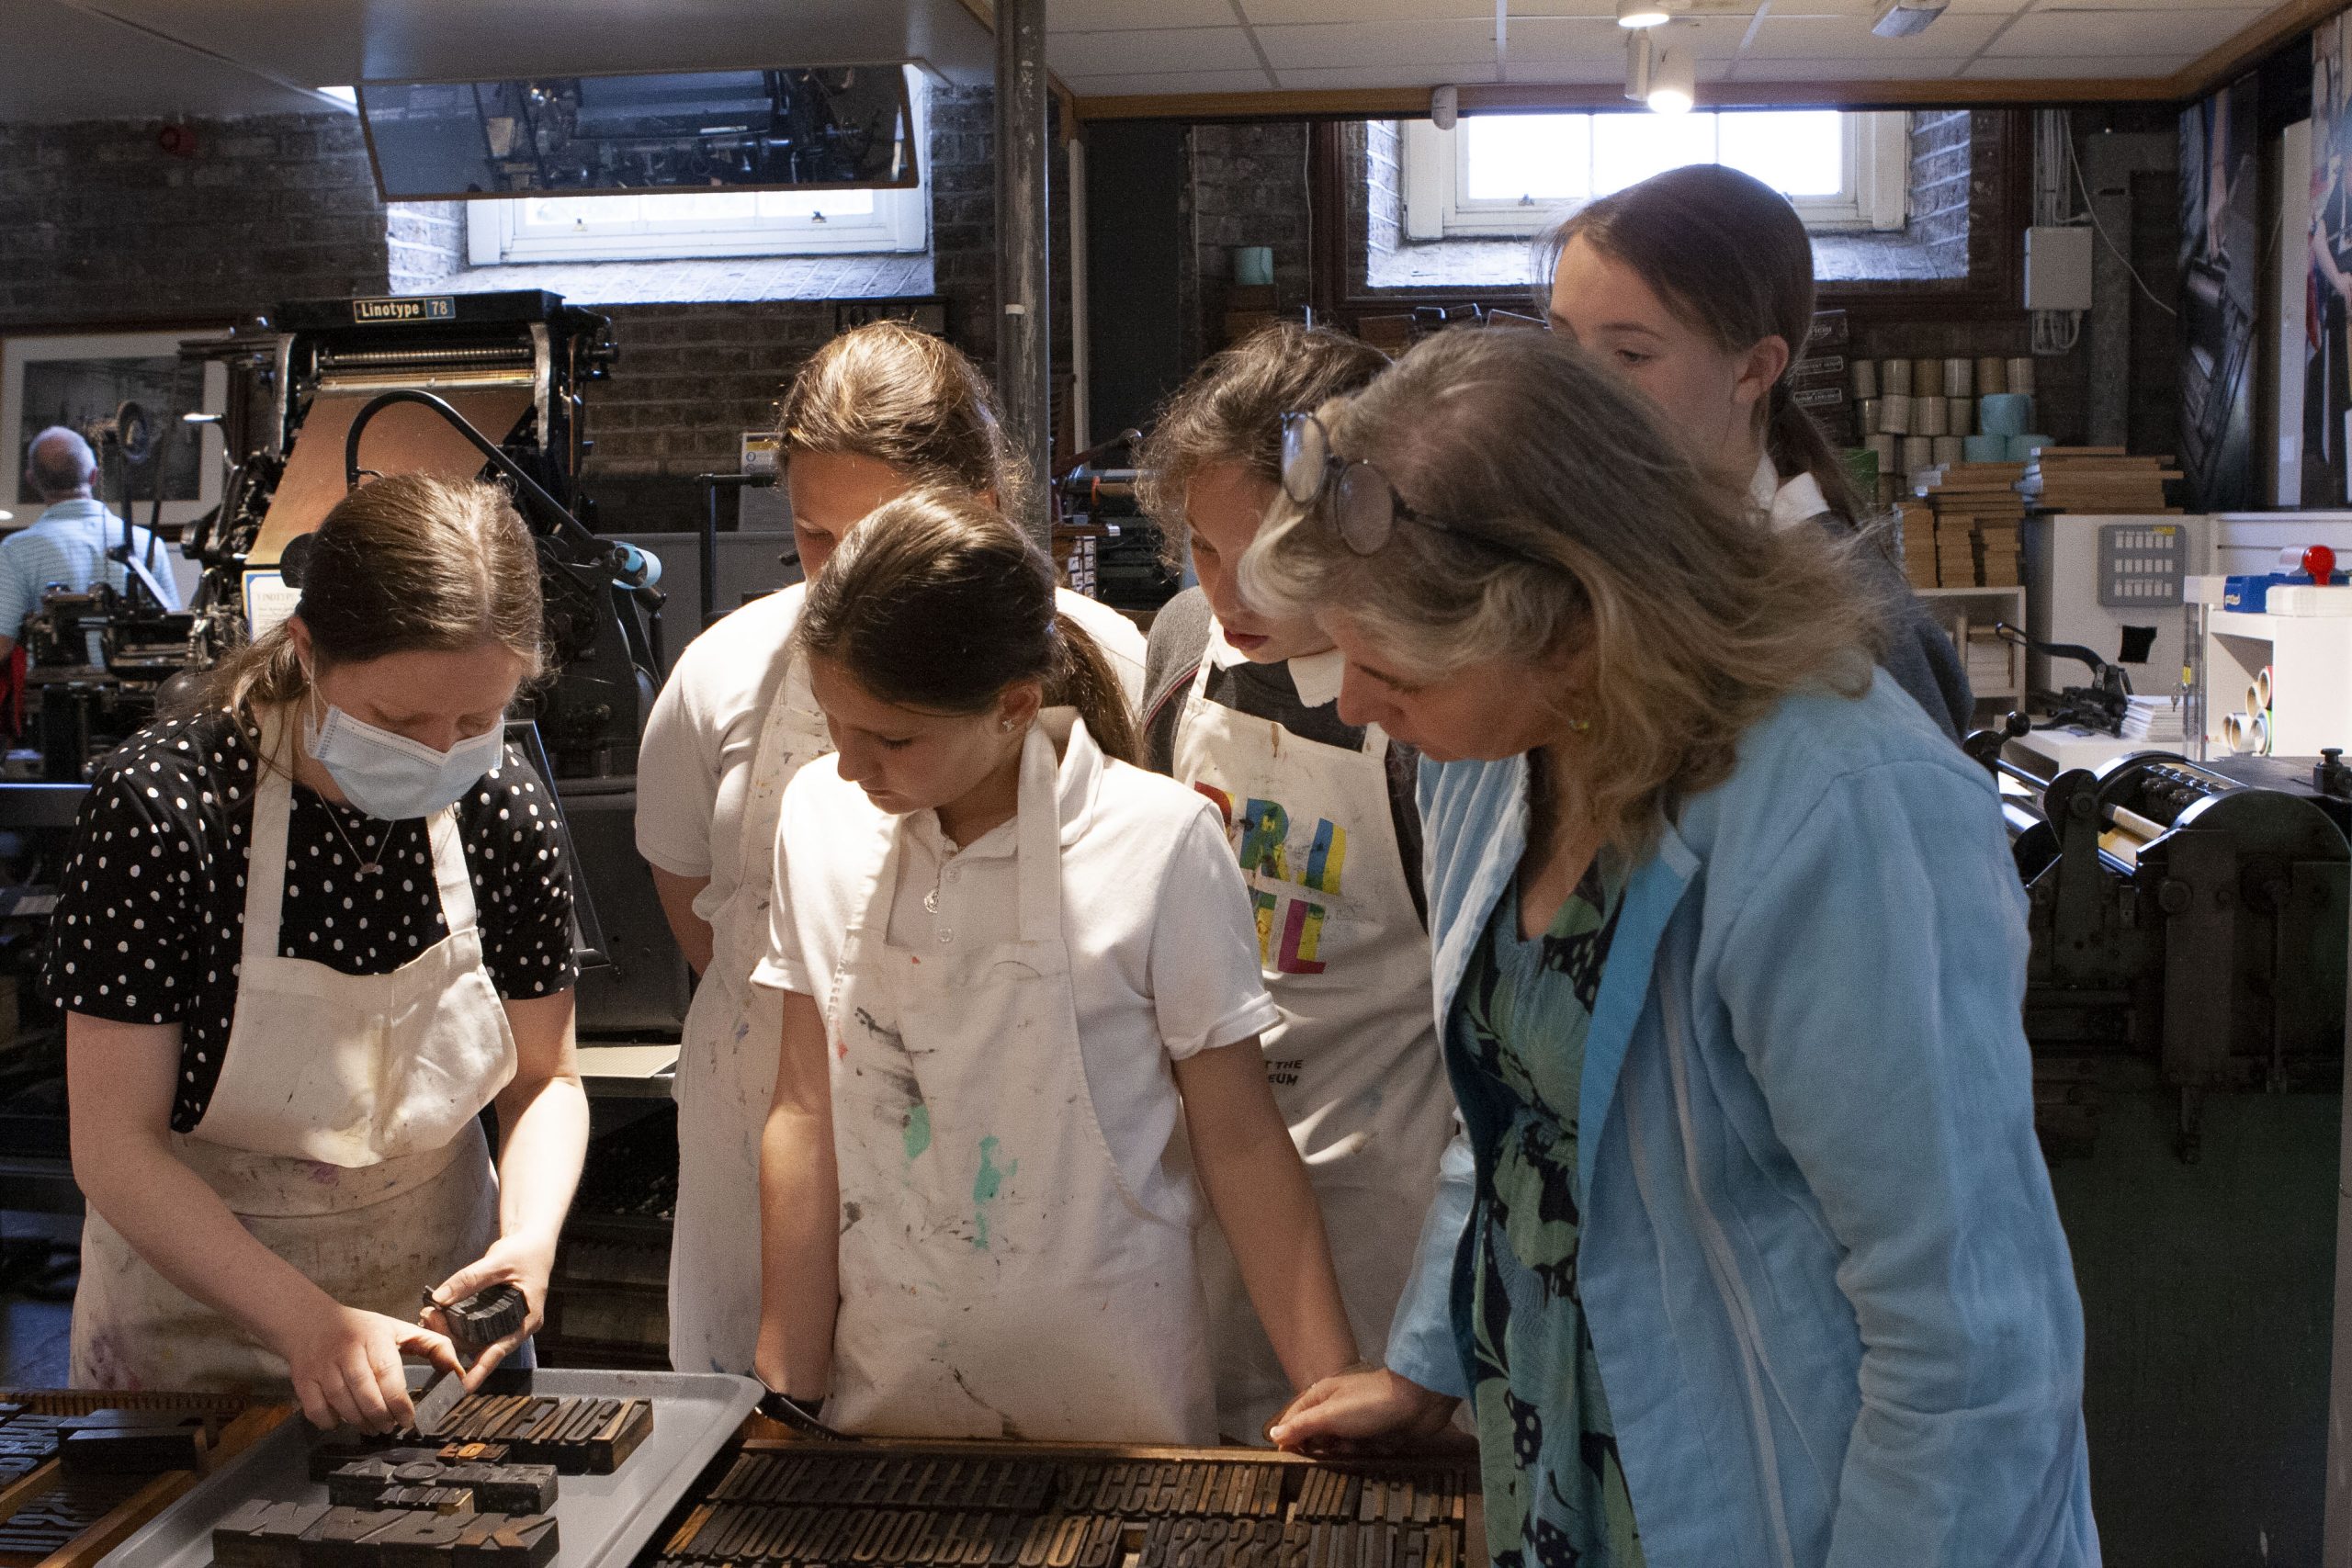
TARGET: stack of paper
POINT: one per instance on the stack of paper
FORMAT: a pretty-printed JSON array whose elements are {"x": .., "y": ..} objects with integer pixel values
[{"x": 2157, "y": 720}]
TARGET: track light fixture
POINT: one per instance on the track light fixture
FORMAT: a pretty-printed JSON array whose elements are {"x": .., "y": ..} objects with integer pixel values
[
  {"x": 1657, "y": 74},
  {"x": 1640, "y": 13}
]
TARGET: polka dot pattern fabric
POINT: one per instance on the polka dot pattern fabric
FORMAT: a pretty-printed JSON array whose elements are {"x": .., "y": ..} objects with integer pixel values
[{"x": 152, "y": 922}]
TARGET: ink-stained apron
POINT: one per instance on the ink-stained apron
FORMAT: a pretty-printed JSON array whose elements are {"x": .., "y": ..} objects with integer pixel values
[
  {"x": 1354, "y": 1063},
  {"x": 342, "y": 1133},
  {"x": 998, "y": 1276},
  {"x": 726, "y": 1063}
]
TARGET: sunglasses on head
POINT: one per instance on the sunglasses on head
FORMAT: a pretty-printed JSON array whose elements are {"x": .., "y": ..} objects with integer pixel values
[{"x": 1363, "y": 506}]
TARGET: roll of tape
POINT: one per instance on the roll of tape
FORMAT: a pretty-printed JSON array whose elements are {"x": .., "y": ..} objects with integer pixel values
[
  {"x": 2234, "y": 731},
  {"x": 2263, "y": 691},
  {"x": 2022, "y": 447},
  {"x": 1951, "y": 448},
  {"x": 1894, "y": 378},
  {"x": 1865, "y": 379},
  {"x": 1960, "y": 377},
  {"x": 1866, "y": 411},
  {"x": 1992, "y": 376},
  {"x": 1918, "y": 451},
  {"x": 1894, "y": 414},
  {"x": 1927, "y": 376},
  {"x": 1962, "y": 420},
  {"x": 2254, "y": 703},
  {"x": 2004, "y": 413},
  {"x": 1889, "y": 450},
  {"x": 2258, "y": 735},
  {"x": 1930, "y": 416},
  {"x": 2021, "y": 376},
  {"x": 1986, "y": 448}
]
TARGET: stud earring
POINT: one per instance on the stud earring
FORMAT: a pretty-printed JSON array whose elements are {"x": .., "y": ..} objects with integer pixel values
[
  {"x": 1006, "y": 727},
  {"x": 1581, "y": 726}
]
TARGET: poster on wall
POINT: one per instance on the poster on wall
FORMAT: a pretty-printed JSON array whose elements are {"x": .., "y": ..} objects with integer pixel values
[
  {"x": 2219, "y": 258},
  {"x": 80, "y": 380},
  {"x": 2327, "y": 301}
]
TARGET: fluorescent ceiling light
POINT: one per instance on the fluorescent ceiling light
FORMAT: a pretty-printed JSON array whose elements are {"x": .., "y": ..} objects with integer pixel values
[
  {"x": 1640, "y": 13},
  {"x": 1900, "y": 19}
]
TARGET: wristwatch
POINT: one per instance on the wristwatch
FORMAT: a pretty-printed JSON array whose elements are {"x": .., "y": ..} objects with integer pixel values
[{"x": 801, "y": 1414}]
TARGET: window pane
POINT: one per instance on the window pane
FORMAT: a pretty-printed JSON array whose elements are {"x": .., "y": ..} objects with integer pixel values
[
  {"x": 698, "y": 206},
  {"x": 1535, "y": 158},
  {"x": 574, "y": 212},
  {"x": 1630, "y": 148},
  {"x": 807, "y": 204},
  {"x": 1797, "y": 152}
]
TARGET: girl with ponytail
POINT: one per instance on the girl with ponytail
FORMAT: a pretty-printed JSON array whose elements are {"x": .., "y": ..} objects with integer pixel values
[
  {"x": 1696, "y": 286},
  {"x": 1012, "y": 965}
]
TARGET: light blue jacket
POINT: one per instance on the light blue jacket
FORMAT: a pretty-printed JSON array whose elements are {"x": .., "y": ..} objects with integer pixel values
[{"x": 1835, "y": 1313}]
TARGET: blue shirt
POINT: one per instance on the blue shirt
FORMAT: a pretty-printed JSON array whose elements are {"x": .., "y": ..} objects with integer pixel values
[
  {"x": 1832, "y": 1305},
  {"x": 67, "y": 544}
]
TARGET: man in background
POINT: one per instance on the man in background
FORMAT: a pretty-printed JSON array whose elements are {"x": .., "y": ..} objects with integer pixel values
[{"x": 66, "y": 545}]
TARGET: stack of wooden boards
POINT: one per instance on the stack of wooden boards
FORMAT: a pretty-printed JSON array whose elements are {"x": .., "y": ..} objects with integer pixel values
[
  {"x": 481, "y": 1495},
  {"x": 2098, "y": 480},
  {"x": 962, "y": 1509},
  {"x": 1971, "y": 513}
]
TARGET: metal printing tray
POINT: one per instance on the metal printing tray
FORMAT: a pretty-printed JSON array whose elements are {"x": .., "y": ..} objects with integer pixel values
[{"x": 604, "y": 1520}]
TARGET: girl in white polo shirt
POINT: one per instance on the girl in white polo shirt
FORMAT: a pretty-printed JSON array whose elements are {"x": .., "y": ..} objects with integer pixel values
[
  {"x": 878, "y": 411},
  {"x": 1014, "y": 969}
]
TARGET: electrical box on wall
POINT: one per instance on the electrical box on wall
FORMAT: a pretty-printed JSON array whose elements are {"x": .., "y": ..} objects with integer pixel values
[{"x": 2057, "y": 269}]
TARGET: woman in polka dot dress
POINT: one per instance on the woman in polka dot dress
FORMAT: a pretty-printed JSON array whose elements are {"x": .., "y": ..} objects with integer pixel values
[{"x": 313, "y": 928}]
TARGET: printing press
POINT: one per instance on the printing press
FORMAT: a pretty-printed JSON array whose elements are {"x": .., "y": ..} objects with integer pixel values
[
  {"x": 2191, "y": 915},
  {"x": 320, "y": 396}
]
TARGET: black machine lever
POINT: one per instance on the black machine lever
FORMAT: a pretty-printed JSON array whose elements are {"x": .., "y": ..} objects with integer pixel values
[{"x": 628, "y": 565}]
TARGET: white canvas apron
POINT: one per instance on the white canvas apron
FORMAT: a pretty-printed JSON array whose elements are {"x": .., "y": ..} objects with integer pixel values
[
  {"x": 998, "y": 1279},
  {"x": 1354, "y": 1064},
  {"x": 342, "y": 1132},
  {"x": 725, "y": 1074}
]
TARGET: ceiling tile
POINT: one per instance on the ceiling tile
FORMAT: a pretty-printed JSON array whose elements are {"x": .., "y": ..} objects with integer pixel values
[
  {"x": 1347, "y": 13},
  {"x": 1119, "y": 16},
  {"x": 2107, "y": 67},
  {"x": 1307, "y": 78},
  {"x": 1836, "y": 42},
  {"x": 1534, "y": 10},
  {"x": 1150, "y": 52},
  {"x": 1170, "y": 82},
  {"x": 1888, "y": 69},
  {"x": 1541, "y": 43},
  {"x": 1400, "y": 45},
  {"x": 2248, "y": 10},
  {"x": 2087, "y": 36}
]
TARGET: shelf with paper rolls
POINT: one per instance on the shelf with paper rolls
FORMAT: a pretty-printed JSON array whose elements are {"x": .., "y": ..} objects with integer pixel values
[{"x": 2305, "y": 661}]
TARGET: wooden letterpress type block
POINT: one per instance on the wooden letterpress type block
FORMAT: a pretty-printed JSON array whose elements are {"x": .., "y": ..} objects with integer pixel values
[
  {"x": 339, "y": 1538},
  {"x": 133, "y": 1451},
  {"x": 429, "y": 1499},
  {"x": 527, "y": 1541},
  {"x": 262, "y": 1534},
  {"x": 418, "y": 1539}
]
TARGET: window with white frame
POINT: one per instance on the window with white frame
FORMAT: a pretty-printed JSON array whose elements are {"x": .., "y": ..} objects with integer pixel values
[
  {"x": 1503, "y": 175},
  {"x": 679, "y": 225}
]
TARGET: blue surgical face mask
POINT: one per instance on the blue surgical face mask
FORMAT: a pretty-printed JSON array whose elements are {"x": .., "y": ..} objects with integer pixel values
[{"x": 393, "y": 777}]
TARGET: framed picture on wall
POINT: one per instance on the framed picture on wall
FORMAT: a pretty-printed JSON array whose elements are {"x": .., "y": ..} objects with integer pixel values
[{"x": 80, "y": 380}]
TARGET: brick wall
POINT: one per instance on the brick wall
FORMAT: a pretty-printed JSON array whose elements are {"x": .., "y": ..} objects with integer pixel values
[
  {"x": 100, "y": 225},
  {"x": 1941, "y": 186},
  {"x": 1248, "y": 187}
]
